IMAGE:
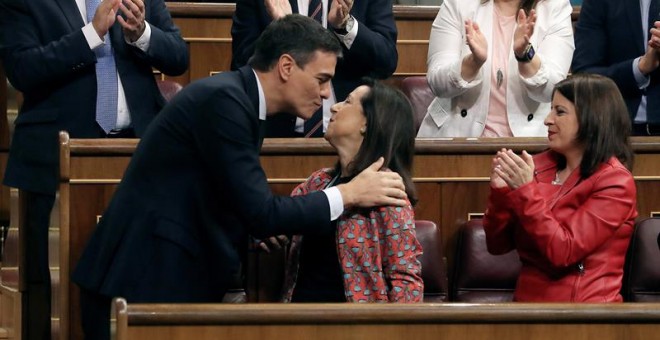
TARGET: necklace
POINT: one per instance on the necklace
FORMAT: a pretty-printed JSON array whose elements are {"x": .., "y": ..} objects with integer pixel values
[{"x": 557, "y": 181}]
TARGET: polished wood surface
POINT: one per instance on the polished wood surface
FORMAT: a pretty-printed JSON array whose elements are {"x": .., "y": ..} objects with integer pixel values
[
  {"x": 386, "y": 321},
  {"x": 451, "y": 177}
]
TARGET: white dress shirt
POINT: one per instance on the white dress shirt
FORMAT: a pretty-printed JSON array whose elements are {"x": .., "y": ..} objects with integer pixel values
[
  {"x": 347, "y": 40},
  {"x": 335, "y": 200},
  {"x": 94, "y": 41}
]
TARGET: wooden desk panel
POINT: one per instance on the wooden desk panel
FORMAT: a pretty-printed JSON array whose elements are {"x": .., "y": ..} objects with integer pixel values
[{"x": 385, "y": 322}]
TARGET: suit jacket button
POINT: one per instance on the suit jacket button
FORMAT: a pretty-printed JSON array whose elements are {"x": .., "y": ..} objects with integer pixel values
[
  {"x": 463, "y": 113},
  {"x": 530, "y": 117}
]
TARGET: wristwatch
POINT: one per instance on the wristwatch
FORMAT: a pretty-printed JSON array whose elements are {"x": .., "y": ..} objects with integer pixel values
[
  {"x": 528, "y": 54},
  {"x": 349, "y": 26}
]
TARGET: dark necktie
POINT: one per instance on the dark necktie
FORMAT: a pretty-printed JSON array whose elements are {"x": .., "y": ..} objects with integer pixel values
[
  {"x": 314, "y": 125},
  {"x": 106, "y": 77},
  {"x": 315, "y": 10},
  {"x": 654, "y": 14}
]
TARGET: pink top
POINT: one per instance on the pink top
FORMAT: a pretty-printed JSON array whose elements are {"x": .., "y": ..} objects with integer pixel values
[{"x": 497, "y": 122}]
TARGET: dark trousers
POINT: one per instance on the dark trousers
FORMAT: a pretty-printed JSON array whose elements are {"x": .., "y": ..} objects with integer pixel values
[
  {"x": 95, "y": 315},
  {"x": 36, "y": 299}
]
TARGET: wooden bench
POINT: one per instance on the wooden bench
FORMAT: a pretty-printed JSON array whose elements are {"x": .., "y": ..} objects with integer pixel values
[
  {"x": 386, "y": 322},
  {"x": 451, "y": 177}
]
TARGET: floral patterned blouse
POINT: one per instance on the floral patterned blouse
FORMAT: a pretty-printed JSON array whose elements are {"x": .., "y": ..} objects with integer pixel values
[{"x": 377, "y": 249}]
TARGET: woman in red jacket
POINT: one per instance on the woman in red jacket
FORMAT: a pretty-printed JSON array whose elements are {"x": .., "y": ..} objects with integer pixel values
[{"x": 569, "y": 211}]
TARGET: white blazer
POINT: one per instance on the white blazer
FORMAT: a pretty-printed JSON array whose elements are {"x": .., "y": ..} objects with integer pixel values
[{"x": 460, "y": 108}]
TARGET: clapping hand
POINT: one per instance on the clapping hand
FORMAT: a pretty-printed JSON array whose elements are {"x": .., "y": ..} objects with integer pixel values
[
  {"x": 524, "y": 31},
  {"x": 650, "y": 61},
  {"x": 495, "y": 180},
  {"x": 132, "y": 19},
  {"x": 476, "y": 41},
  {"x": 514, "y": 170},
  {"x": 339, "y": 13},
  {"x": 104, "y": 17},
  {"x": 278, "y": 9}
]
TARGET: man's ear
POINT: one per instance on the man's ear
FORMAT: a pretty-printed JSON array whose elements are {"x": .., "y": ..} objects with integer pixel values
[{"x": 285, "y": 66}]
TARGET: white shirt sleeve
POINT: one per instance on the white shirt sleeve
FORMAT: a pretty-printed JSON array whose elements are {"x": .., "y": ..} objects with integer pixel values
[
  {"x": 143, "y": 41},
  {"x": 336, "y": 202}
]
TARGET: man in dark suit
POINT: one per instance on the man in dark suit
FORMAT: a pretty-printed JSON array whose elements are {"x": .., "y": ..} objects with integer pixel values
[
  {"x": 366, "y": 30},
  {"x": 621, "y": 40},
  {"x": 178, "y": 222},
  {"x": 50, "y": 50}
]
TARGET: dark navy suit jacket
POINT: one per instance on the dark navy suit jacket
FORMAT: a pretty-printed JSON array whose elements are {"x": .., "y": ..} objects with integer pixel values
[
  {"x": 193, "y": 191},
  {"x": 47, "y": 58},
  {"x": 372, "y": 54},
  {"x": 608, "y": 37}
]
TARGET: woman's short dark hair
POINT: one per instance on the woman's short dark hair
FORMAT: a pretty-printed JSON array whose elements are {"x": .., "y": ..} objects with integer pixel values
[
  {"x": 390, "y": 133},
  {"x": 296, "y": 35},
  {"x": 604, "y": 124}
]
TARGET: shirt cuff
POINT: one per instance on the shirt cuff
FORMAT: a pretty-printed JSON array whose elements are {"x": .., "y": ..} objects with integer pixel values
[
  {"x": 143, "y": 41},
  {"x": 93, "y": 39},
  {"x": 349, "y": 37},
  {"x": 335, "y": 201},
  {"x": 539, "y": 79},
  {"x": 457, "y": 80},
  {"x": 642, "y": 80}
]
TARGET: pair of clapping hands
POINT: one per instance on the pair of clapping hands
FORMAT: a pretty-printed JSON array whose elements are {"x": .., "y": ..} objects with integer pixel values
[
  {"x": 511, "y": 170},
  {"x": 337, "y": 16},
  {"x": 131, "y": 18}
]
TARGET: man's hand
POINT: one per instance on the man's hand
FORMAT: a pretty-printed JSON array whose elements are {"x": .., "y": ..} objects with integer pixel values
[
  {"x": 339, "y": 13},
  {"x": 372, "y": 188},
  {"x": 132, "y": 19},
  {"x": 104, "y": 17},
  {"x": 274, "y": 242},
  {"x": 650, "y": 61},
  {"x": 278, "y": 9}
]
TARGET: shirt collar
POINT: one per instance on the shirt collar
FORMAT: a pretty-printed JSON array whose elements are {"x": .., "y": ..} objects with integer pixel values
[{"x": 262, "y": 98}]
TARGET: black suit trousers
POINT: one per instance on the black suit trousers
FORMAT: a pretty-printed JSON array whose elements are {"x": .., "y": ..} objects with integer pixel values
[{"x": 37, "y": 296}]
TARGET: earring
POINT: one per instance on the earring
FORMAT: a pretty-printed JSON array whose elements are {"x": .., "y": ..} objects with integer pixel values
[{"x": 363, "y": 130}]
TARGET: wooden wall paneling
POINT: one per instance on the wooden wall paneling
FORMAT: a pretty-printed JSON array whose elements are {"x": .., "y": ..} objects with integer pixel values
[
  {"x": 458, "y": 200},
  {"x": 209, "y": 56},
  {"x": 88, "y": 201},
  {"x": 647, "y": 207},
  {"x": 4, "y": 150}
]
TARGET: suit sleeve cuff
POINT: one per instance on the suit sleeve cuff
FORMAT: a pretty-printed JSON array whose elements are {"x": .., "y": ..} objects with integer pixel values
[
  {"x": 642, "y": 80},
  {"x": 335, "y": 201},
  {"x": 349, "y": 37},
  {"x": 143, "y": 41},
  {"x": 93, "y": 39}
]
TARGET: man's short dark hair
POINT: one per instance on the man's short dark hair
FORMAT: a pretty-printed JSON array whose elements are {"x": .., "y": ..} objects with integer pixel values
[{"x": 296, "y": 35}]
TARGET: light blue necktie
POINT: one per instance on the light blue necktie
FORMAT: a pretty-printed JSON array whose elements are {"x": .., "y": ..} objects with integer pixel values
[{"x": 106, "y": 77}]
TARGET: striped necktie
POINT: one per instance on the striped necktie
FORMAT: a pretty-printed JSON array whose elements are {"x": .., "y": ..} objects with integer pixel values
[
  {"x": 106, "y": 77},
  {"x": 315, "y": 10}
]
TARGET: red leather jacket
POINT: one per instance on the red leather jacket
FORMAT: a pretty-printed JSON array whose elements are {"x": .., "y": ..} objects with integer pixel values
[{"x": 571, "y": 239}]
